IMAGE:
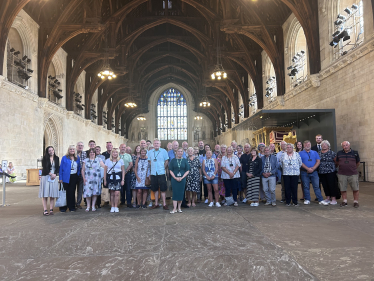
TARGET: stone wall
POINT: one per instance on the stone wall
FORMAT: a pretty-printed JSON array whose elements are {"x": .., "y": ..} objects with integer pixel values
[{"x": 26, "y": 119}]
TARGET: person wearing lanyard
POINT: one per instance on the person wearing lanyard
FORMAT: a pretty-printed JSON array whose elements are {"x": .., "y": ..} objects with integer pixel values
[
  {"x": 142, "y": 171},
  {"x": 158, "y": 158},
  {"x": 70, "y": 169},
  {"x": 91, "y": 178},
  {"x": 210, "y": 170},
  {"x": 230, "y": 174},
  {"x": 179, "y": 169},
  {"x": 173, "y": 153},
  {"x": 290, "y": 162},
  {"x": 310, "y": 160},
  {"x": 126, "y": 188}
]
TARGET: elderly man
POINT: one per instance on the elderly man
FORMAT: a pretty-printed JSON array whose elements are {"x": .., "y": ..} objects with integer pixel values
[
  {"x": 109, "y": 147},
  {"x": 158, "y": 160},
  {"x": 348, "y": 161},
  {"x": 217, "y": 150},
  {"x": 272, "y": 149},
  {"x": 126, "y": 188},
  {"x": 234, "y": 146},
  {"x": 185, "y": 147},
  {"x": 309, "y": 174},
  {"x": 280, "y": 155},
  {"x": 268, "y": 173},
  {"x": 173, "y": 153}
]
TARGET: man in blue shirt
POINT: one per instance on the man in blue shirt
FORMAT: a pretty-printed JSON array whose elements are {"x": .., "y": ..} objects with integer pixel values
[
  {"x": 311, "y": 160},
  {"x": 173, "y": 153},
  {"x": 158, "y": 159}
]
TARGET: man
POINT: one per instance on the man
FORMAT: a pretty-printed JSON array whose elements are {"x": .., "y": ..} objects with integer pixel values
[
  {"x": 280, "y": 154},
  {"x": 234, "y": 146},
  {"x": 268, "y": 172},
  {"x": 126, "y": 188},
  {"x": 317, "y": 147},
  {"x": 148, "y": 142},
  {"x": 201, "y": 148},
  {"x": 185, "y": 147},
  {"x": 102, "y": 157},
  {"x": 311, "y": 160},
  {"x": 91, "y": 145},
  {"x": 217, "y": 150},
  {"x": 272, "y": 149},
  {"x": 143, "y": 144},
  {"x": 109, "y": 147},
  {"x": 82, "y": 155},
  {"x": 158, "y": 159},
  {"x": 244, "y": 160},
  {"x": 172, "y": 153},
  {"x": 128, "y": 150},
  {"x": 348, "y": 161}
]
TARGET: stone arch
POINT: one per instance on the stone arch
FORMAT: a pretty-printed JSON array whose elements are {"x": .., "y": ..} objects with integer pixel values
[{"x": 52, "y": 133}]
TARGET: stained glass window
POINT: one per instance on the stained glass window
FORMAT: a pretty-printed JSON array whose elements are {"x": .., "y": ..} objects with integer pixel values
[{"x": 172, "y": 116}]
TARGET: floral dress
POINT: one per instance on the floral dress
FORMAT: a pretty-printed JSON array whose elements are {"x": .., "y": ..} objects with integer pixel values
[
  {"x": 93, "y": 176},
  {"x": 143, "y": 171},
  {"x": 221, "y": 186},
  {"x": 133, "y": 177},
  {"x": 193, "y": 178}
]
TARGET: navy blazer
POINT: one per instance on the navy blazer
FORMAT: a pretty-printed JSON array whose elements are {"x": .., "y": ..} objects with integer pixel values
[
  {"x": 65, "y": 168},
  {"x": 273, "y": 163}
]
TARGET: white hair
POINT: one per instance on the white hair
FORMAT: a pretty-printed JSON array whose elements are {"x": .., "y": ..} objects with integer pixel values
[
  {"x": 326, "y": 142},
  {"x": 80, "y": 142},
  {"x": 346, "y": 142},
  {"x": 290, "y": 144}
]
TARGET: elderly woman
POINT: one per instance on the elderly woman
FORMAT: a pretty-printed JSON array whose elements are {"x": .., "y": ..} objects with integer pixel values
[
  {"x": 114, "y": 175},
  {"x": 70, "y": 169},
  {"x": 179, "y": 170},
  {"x": 230, "y": 174},
  {"x": 91, "y": 175},
  {"x": 221, "y": 185},
  {"x": 194, "y": 177},
  {"x": 253, "y": 177},
  {"x": 326, "y": 171},
  {"x": 48, "y": 182},
  {"x": 142, "y": 171},
  {"x": 210, "y": 171},
  {"x": 290, "y": 162}
]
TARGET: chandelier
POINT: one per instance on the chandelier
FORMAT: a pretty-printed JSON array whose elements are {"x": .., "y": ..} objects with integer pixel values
[
  {"x": 218, "y": 72},
  {"x": 131, "y": 102},
  {"x": 198, "y": 117},
  {"x": 106, "y": 72},
  {"x": 141, "y": 118},
  {"x": 204, "y": 101}
]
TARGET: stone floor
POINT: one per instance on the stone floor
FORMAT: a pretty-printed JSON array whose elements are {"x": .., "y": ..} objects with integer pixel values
[{"x": 230, "y": 243}]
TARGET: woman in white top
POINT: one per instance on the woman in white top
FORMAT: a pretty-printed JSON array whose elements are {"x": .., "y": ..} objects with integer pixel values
[
  {"x": 114, "y": 175},
  {"x": 230, "y": 165}
]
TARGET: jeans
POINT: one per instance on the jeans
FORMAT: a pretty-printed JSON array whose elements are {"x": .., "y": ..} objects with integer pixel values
[
  {"x": 290, "y": 185},
  {"x": 79, "y": 190},
  {"x": 231, "y": 185},
  {"x": 126, "y": 190},
  {"x": 269, "y": 188},
  {"x": 314, "y": 179}
]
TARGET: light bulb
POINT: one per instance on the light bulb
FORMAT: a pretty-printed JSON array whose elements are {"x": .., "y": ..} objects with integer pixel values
[
  {"x": 224, "y": 75},
  {"x": 213, "y": 76}
]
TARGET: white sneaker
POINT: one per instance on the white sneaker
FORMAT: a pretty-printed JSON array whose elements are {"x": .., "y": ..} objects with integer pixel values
[
  {"x": 245, "y": 200},
  {"x": 267, "y": 203},
  {"x": 112, "y": 210},
  {"x": 327, "y": 201},
  {"x": 274, "y": 204},
  {"x": 150, "y": 204},
  {"x": 206, "y": 201},
  {"x": 116, "y": 210},
  {"x": 256, "y": 204},
  {"x": 218, "y": 205},
  {"x": 306, "y": 202},
  {"x": 160, "y": 204},
  {"x": 323, "y": 203},
  {"x": 252, "y": 204},
  {"x": 211, "y": 204}
]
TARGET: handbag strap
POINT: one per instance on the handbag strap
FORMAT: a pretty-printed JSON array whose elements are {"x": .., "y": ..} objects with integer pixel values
[{"x": 112, "y": 167}]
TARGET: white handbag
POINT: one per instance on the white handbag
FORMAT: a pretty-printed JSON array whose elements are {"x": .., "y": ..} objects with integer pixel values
[{"x": 61, "y": 200}]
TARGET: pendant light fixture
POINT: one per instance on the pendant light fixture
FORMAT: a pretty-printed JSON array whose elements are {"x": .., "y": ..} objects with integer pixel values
[
  {"x": 106, "y": 72},
  {"x": 219, "y": 72},
  {"x": 204, "y": 101},
  {"x": 131, "y": 102},
  {"x": 141, "y": 117}
]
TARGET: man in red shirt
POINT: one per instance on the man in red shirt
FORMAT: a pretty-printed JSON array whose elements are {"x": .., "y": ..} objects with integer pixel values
[{"x": 348, "y": 161}]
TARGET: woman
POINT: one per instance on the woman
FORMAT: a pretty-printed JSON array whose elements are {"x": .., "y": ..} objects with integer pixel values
[
  {"x": 253, "y": 177},
  {"x": 300, "y": 147},
  {"x": 142, "y": 171},
  {"x": 230, "y": 174},
  {"x": 179, "y": 169},
  {"x": 290, "y": 163},
  {"x": 11, "y": 172},
  {"x": 134, "y": 157},
  {"x": 193, "y": 178},
  {"x": 221, "y": 186},
  {"x": 196, "y": 151},
  {"x": 70, "y": 170},
  {"x": 91, "y": 174},
  {"x": 239, "y": 150},
  {"x": 114, "y": 175},
  {"x": 210, "y": 168},
  {"x": 48, "y": 181},
  {"x": 327, "y": 172}
]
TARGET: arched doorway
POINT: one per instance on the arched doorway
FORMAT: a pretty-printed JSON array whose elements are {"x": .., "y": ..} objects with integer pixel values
[{"x": 51, "y": 136}]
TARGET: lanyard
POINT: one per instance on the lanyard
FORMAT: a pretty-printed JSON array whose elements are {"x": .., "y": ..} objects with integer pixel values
[
  {"x": 179, "y": 164},
  {"x": 90, "y": 163},
  {"x": 72, "y": 164},
  {"x": 154, "y": 154}
]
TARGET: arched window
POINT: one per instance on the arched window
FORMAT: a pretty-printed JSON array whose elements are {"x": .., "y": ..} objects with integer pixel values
[{"x": 172, "y": 116}]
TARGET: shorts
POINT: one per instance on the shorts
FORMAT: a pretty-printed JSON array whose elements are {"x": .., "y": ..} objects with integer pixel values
[
  {"x": 213, "y": 181},
  {"x": 345, "y": 180},
  {"x": 158, "y": 182}
]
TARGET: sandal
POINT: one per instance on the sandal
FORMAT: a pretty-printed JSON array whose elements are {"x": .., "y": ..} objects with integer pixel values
[
  {"x": 236, "y": 204},
  {"x": 193, "y": 205},
  {"x": 93, "y": 209},
  {"x": 46, "y": 213},
  {"x": 172, "y": 212},
  {"x": 180, "y": 211},
  {"x": 189, "y": 204},
  {"x": 51, "y": 212},
  {"x": 88, "y": 209}
]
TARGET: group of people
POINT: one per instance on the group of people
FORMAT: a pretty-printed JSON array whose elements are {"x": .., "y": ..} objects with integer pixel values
[
  {"x": 220, "y": 175},
  {"x": 9, "y": 172}
]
